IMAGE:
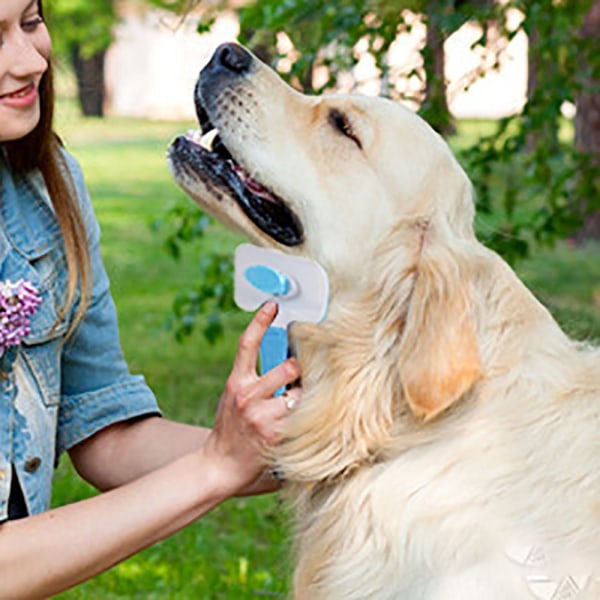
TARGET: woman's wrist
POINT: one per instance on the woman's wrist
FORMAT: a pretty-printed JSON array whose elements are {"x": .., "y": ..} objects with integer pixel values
[{"x": 221, "y": 472}]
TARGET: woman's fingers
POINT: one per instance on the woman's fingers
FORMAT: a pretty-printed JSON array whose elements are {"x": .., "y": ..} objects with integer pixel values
[
  {"x": 249, "y": 344},
  {"x": 249, "y": 418},
  {"x": 280, "y": 376},
  {"x": 244, "y": 367},
  {"x": 264, "y": 387},
  {"x": 266, "y": 416}
]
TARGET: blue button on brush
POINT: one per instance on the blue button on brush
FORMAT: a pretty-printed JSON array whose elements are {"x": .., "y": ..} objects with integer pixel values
[{"x": 267, "y": 280}]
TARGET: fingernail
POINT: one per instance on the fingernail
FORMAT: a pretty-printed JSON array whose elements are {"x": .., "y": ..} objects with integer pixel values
[{"x": 270, "y": 306}]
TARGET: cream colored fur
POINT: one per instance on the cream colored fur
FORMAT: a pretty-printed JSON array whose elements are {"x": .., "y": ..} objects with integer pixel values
[{"x": 445, "y": 414}]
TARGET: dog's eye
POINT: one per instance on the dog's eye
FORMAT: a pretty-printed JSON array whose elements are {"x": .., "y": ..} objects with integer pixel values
[{"x": 341, "y": 122}]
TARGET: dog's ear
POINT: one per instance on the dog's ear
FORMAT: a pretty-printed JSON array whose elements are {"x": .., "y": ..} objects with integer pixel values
[{"x": 439, "y": 352}]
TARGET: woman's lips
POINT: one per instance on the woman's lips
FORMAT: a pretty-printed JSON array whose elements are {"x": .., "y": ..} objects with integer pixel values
[{"x": 21, "y": 98}]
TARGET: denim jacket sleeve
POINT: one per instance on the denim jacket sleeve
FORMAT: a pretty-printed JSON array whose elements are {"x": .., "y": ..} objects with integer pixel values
[{"x": 97, "y": 388}]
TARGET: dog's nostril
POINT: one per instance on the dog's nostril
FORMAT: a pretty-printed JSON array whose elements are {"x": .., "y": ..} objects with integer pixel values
[{"x": 233, "y": 57}]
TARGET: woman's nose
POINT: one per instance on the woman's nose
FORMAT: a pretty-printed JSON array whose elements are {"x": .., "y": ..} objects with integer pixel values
[{"x": 26, "y": 57}]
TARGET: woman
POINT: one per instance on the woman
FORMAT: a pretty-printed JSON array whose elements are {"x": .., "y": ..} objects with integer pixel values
[{"x": 66, "y": 386}]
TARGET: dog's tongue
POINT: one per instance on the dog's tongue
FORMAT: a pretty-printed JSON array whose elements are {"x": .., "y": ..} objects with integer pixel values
[
  {"x": 209, "y": 141},
  {"x": 253, "y": 186}
]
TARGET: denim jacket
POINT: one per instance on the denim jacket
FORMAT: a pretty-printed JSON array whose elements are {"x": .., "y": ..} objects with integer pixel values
[{"x": 55, "y": 392}]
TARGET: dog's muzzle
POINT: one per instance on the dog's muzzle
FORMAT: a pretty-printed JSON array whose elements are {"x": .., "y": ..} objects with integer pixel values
[{"x": 212, "y": 163}]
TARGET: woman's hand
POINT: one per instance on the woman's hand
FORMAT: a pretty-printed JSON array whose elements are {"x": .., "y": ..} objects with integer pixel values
[
  {"x": 154, "y": 494},
  {"x": 249, "y": 418}
]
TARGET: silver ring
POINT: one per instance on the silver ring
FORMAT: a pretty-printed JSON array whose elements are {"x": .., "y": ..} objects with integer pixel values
[{"x": 290, "y": 403}]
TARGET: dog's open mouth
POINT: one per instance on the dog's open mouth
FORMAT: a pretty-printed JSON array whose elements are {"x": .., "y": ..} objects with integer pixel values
[{"x": 202, "y": 153}]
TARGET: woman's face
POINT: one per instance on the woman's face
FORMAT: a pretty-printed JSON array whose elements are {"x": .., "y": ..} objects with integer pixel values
[{"x": 24, "y": 51}]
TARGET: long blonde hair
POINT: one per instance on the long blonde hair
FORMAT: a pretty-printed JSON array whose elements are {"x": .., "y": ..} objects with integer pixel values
[{"x": 42, "y": 149}]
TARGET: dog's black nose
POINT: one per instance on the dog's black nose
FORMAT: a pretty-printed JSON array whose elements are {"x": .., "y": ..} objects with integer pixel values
[{"x": 232, "y": 57}]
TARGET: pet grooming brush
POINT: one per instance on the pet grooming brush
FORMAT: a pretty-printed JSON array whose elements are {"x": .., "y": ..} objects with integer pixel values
[{"x": 298, "y": 285}]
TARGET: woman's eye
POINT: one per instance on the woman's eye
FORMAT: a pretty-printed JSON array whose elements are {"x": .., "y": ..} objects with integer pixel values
[
  {"x": 32, "y": 24},
  {"x": 341, "y": 122}
]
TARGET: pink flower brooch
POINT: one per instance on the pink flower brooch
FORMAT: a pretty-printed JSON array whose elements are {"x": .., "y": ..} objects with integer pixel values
[{"x": 18, "y": 303}]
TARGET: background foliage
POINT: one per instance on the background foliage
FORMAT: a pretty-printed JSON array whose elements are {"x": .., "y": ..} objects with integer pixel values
[
  {"x": 536, "y": 183},
  {"x": 82, "y": 31},
  {"x": 87, "y": 24}
]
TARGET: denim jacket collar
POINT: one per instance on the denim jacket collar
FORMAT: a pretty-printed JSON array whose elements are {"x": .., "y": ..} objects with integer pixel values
[{"x": 31, "y": 232}]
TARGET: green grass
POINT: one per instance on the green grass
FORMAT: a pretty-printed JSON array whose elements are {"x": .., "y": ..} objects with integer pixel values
[{"x": 240, "y": 550}]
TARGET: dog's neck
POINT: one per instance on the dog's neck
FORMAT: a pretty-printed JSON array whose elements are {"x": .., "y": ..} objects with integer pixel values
[{"x": 353, "y": 394}]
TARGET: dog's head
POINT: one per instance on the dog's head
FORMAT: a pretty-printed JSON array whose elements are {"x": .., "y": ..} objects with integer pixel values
[
  {"x": 335, "y": 178},
  {"x": 325, "y": 177}
]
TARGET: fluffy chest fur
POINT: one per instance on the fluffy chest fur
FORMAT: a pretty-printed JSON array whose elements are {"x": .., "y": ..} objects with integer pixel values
[{"x": 391, "y": 507}]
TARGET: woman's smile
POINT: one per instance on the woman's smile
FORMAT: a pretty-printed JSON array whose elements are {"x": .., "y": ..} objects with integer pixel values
[{"x": 21, "y": 98}]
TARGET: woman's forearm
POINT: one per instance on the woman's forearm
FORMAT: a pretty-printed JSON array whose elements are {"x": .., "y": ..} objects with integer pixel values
[
  {"x": 125, "y": 451},
  {"x": 45, "y": 554}
]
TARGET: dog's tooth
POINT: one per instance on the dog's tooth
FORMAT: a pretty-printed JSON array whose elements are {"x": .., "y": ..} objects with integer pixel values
[{"x": 208, "y": 139}]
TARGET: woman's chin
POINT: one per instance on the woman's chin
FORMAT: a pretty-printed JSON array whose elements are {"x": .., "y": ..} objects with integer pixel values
[{"x": 17, "y": 123}]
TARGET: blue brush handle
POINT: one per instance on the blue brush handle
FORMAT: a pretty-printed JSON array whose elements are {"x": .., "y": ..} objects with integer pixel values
[{"x": 273, "y": 350}]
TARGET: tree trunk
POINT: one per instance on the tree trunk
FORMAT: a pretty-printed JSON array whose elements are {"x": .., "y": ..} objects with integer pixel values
[
  {"x": 587, "y": 129},
  {"x": 541, "y": 68},
  {"x": 435, "y": 107},
  {"x": 90, "y": 82}
]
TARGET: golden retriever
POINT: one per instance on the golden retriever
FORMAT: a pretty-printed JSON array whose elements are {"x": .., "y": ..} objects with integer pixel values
[{"x": 448, "y": 443}]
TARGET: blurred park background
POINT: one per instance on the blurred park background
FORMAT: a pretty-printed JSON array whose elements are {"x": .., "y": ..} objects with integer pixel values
[{"x": 514, "y": 86}]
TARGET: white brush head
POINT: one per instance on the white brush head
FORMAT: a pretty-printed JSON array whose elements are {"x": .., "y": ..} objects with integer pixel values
[{"x": 298, "y": 285}]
